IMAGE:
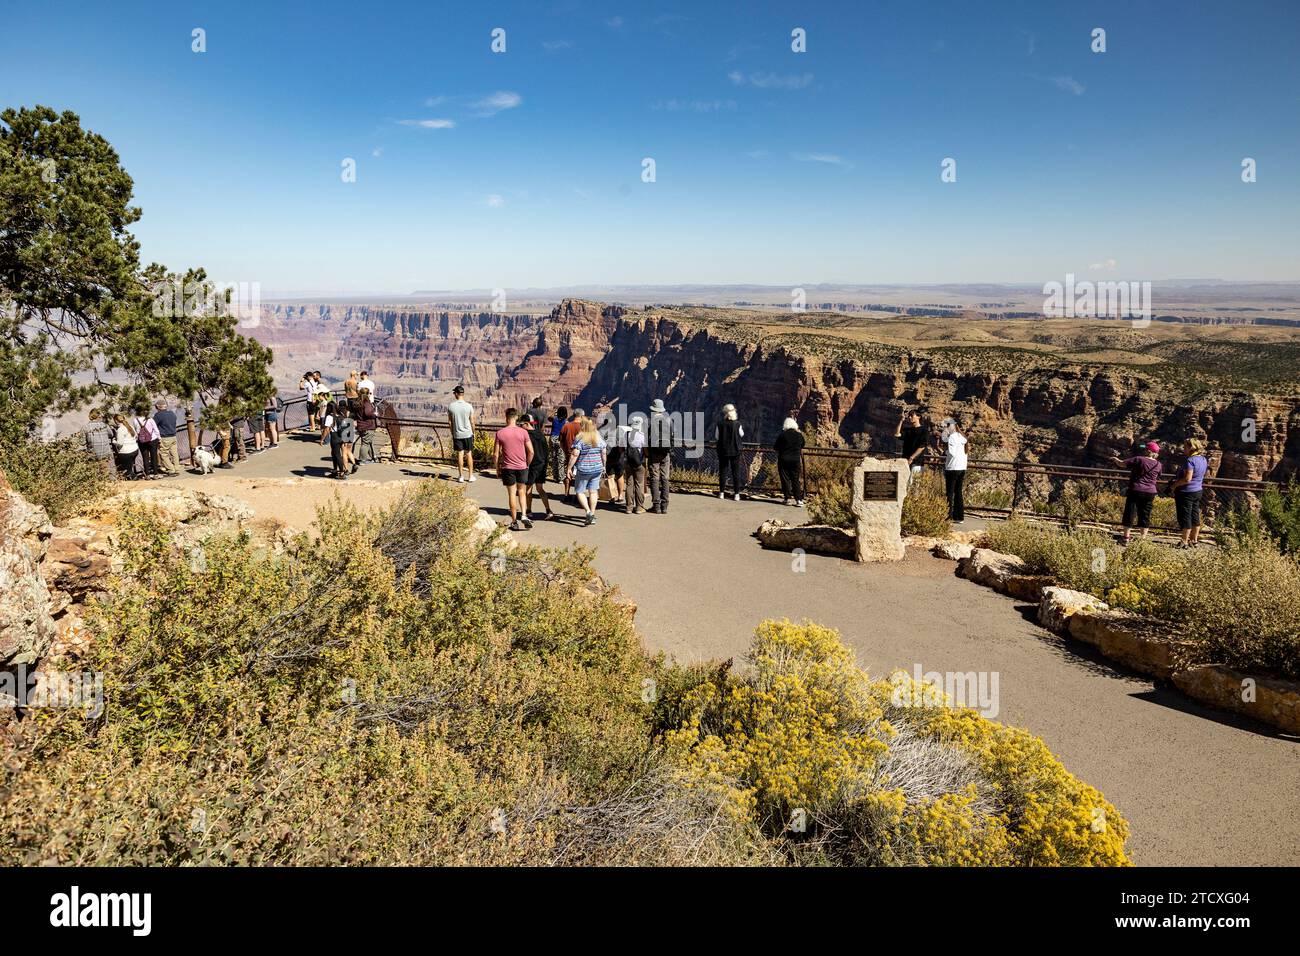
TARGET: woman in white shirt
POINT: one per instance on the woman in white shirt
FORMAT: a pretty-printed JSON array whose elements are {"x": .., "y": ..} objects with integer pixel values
[
  {"x": 954, "y": 470},
  {"x": 125, "y": 447}
]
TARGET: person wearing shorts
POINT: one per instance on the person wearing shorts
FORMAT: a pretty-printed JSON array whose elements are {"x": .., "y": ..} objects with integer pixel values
[
  {"x": 1143, "y": 476},
  {"x": 587, "y": 466},
  {"x": 1188, "y": 487},
  {"x": 460, "y": 416},
  {"x": 513, "y": 459}
]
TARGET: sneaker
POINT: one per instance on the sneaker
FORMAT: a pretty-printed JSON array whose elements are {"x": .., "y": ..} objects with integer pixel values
[
  {"x": 591, "y": 519},
  {"x": 722, "y": 495},
  {"x": 737, "y": 496},
  {"x": 355, "y": 466},
  {"x": 460, "y": 479},
  {"x": 528, "y": 524},
  {"x": 654, "y": 509},
  {"x": 799, "y": 503},
  {"x": 639, "y": 511},
  {"x": 786, "y": 502},
  {"x": 514, "y": 526},
  {"x": 549, "y": 516},
  {"x": 473, "y": 477}
]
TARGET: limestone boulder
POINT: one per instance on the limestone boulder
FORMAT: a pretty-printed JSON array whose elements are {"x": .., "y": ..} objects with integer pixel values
[
  {"x": 952, "y": 550},
  {"x": 1057, "y": 605},
  {"x": 778, "y": 535},
  {"x": 991, "y": 568}
]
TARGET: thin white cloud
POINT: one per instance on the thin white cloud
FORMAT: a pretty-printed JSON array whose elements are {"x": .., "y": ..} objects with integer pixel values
[
  {"x": 1107, "y": 265},
  {"x": 694, "y": 106},
  {"x": 771, "y": 81},
  {"x": 1068, "y": 84},
  {"x": 377, "y": 151},
  {"x": 496, "y": 102},
  {"x": 756, "y": 153},
  {"x": 830, "y": 159},
  {"x": 435, "y": 100},
  {"x": 494, "y": 201},
  {"x": 430, "y": 123},
  {"x": 614, "y": 23}
]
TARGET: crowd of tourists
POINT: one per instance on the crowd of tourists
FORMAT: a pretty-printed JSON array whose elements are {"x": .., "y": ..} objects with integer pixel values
[{"x": 346, "y": 422}]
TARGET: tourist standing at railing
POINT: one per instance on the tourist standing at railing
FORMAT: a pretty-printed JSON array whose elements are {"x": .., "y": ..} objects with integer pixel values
[
  {"x": 568, "y": 433},
  {"x": 789, "y": 461},
  {"x": 1143, "y": 485},
  {"x": 169, "y": 462},
  {"x": 634, "y": 466},
  {"x": 660, "y": 439},
  {"x": 350, "y": 388},
  {"x": 308, "y": 386},
  {"x": 557, "y": 456},
  {"x": 531, "y": 422},
  {"x": 367, "y": 421},
  {"x": 514, "y": 455},
  {"x": 729, "y": 436},
  {"x": 367, "y": 385},
  {"x": 125, "y": 447},
  {"x": 273, "y": 420},
  {"x": 460, "y": 418},
  {"x": 588, "y": 466},
  {"x": 99, "y": 440},
  {"x": 954, "y": 470},
  {"x": 1187, "y": 489},
  {"x": 146, "y": 437},
  {"x": 915, "y": 437},
  {"x": 614, "y": 461},
  {"x": 331, "y": 431}
]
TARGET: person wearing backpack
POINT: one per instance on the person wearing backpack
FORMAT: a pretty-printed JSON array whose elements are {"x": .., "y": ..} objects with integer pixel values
[
  {"x": 531, "y": 422},
  {"x": 660, "y": 438},
  {"x": 634, "y": 466},
  {"x": 729, "y": 438}
]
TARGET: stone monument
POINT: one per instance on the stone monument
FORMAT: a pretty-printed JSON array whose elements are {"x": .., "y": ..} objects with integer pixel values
[{"x": 879, "y": 486}]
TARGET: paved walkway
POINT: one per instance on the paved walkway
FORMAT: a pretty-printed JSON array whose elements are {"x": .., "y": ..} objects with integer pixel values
[{"x": 1198, "y": 786}]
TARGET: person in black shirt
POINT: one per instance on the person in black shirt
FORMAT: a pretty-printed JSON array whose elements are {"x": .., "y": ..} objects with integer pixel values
[
  {"x": 729, "y": 437},
  {"x": 916, "y": 437},
  {"x": 789, "y": 461}
]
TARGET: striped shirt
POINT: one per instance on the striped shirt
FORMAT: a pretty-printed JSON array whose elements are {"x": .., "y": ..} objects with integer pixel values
[{"x": 589, "y": 459}]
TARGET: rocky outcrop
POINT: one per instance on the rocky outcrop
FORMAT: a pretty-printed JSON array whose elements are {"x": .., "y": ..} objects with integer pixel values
[
  {"x": 27, "y": 626},
  {"x": 816, "y": 538}
]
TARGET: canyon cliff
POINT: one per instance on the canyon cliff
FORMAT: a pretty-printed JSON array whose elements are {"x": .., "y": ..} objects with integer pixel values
[{"x": 1017, "y": 401}]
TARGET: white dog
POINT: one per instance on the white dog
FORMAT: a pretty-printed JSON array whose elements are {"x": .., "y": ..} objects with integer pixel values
[{"x": 205, "y": 460}]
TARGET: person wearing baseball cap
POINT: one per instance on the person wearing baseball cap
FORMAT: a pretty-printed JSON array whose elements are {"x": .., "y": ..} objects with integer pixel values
[{"x": 1143, "y": 478}]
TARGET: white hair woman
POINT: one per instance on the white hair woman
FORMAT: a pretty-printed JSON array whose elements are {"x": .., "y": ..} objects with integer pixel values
[
  {"x": 729, "y": 439},
  {"x": 789, "y": 461}
]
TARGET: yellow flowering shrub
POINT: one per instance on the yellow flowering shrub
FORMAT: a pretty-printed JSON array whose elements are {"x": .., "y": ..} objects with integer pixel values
[{"x": 807, "y": 743}]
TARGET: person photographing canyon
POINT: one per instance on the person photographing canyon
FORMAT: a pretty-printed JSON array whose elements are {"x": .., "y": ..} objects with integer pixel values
[{"x": 1144, "y": 476}]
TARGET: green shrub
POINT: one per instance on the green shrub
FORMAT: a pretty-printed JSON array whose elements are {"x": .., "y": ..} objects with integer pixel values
[
  {"x": 393, "y": 694},
  {"x": 1276, "y": 520},
  {"x": 832, "y": 504},
  {"x": 1237, "y": 605},
  {"x": 925, "y": 509},
  {"x": 60, "y": 475}
]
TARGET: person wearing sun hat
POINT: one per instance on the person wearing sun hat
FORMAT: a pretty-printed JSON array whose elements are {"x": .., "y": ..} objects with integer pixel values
[{"x": 1143, "y": 478}]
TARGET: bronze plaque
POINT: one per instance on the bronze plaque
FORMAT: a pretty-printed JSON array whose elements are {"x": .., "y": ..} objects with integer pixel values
[{"x": 880, "y": 486}]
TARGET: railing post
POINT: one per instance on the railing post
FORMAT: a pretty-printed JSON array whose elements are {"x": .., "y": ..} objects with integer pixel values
[{"x": 1017, "y": 486}]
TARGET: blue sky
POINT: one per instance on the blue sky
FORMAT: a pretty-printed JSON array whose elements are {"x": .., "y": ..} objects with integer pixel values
[{"x": 771, "y": 166}]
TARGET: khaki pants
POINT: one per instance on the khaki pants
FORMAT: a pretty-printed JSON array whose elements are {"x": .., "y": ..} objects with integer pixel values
[
  {"x": 661, "y": 467},
  {"x": 634, "y": 495},
  {"x": 167, "y": 460}
]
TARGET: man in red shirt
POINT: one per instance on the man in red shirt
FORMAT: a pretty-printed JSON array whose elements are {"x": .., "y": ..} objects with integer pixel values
[
  {"x": 567, "y": 434},
  {"x": 514, "y": 455}
]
